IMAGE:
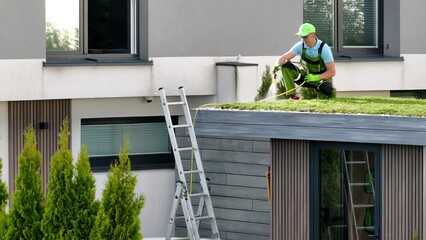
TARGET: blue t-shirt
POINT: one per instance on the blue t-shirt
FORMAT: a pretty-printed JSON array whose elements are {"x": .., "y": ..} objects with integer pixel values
[{"x": 326, "y": 54}]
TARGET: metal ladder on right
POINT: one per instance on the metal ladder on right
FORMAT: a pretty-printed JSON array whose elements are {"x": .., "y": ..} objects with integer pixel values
[
  {"x": 183, "y": 194},
  {"x": 357, "y": 184}
]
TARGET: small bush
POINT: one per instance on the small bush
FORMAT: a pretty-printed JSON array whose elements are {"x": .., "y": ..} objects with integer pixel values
[
  {"x": 28, "y": 199},
  {"x": 266, "y": 84},
  {"x": 310, "y": 93},
  {"x": 85, "y": 189},
  {"x": 3, "y": 201},
  {"x": 61, "y": 201},
  {"x": 118, "y": 216},
  {"x": 281, "y": 89}
]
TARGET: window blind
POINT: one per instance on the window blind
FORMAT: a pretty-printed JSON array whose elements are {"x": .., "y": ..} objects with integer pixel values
[
  {"x": 144, "y": 138},
  {"x": 359, "y": 23},
  {"x": 320, "y": 13}
]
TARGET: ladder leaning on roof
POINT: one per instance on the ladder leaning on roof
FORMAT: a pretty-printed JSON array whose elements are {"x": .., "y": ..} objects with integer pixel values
[
  {"x": 182, "y": 194},
  {"x": 369, "y": 184}
]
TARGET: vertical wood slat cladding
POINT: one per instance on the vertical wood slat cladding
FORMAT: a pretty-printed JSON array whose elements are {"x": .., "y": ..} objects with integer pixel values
[
  {"x": 403, "y": 183},
  {"x": 290, "y": 189},
  {"x": 25, "y": 113}
]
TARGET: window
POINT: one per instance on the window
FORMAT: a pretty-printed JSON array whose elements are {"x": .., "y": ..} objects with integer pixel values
[
  {"x": 148, "y": 137},
  {"x": 346, "y": 191},
  {"x": 92, "y": 27},
  {"x": 349, "y": 27},
  {"x": 420, "y": 94}
]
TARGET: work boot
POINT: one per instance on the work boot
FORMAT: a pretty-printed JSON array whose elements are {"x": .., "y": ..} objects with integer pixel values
[{"x": 295, "y": 97}]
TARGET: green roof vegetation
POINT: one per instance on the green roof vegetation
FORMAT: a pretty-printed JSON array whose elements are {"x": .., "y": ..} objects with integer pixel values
[{"x": 359, "y": 105}]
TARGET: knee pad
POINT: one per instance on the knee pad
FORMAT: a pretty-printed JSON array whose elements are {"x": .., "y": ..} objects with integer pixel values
[
  {"x": 325, "y": 87},
  {"x": 290, "y": 65},
  {"x": 300, "y": 80}
]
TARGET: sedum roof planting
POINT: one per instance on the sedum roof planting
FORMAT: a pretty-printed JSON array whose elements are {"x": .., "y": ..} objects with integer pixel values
[{"x": 359, "y": 105}]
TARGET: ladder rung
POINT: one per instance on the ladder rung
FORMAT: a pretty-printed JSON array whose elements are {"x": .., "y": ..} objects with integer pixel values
[
  {"x": 181, "y": 126},
  {"x": 187, "y": 238},
  {"x": 338, "y": 226},
  {"x": 360, "y": 184},
  {"x": 185, "y": 149},
  {"x": 363, "y": 205},
  {"x": 197, "y": 194},
  {"x": 175, "y": 103},
  {"x": 203, "y": 218},
  {"x": 365, "y": 227},
  {"x": 356, "y": 162},
  {"x": 192, "y": 171}
]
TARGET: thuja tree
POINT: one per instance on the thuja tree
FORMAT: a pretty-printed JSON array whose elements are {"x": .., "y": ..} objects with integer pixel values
[
  {"x": 86, "y": 205},
  {"x": 118, "y": 216},
  {"x": 3, "y": 201},
  {"x": 28, "y": 199},
  {"x": 60, "y": 205},
  {"x": 262, "y": 91}
]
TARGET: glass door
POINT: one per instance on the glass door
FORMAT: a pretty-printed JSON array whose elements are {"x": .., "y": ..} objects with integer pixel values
[{"x": 345, "y": 192}]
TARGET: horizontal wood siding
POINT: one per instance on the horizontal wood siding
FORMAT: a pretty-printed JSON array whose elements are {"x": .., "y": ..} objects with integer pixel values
[
  {"x": 290, "y": 189},
  {"x": 236, "y": 168},
  {"x": 25, "y": 113},
  {"x": 403, "y": 193}
]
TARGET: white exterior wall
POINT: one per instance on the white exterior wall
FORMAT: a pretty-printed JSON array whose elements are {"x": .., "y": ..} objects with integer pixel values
[
  {"x": 117, "y": 91},
  {"x": 28, "y": 80}
]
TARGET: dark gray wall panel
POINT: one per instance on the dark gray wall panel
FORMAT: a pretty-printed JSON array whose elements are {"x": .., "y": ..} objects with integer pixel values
[
  {"x": 236, "y": 168},
  {"x": 22, "y": 25},
  {"x": 223, "y": 27},
  {"x": 290, "y": 189},
  {"x": 312, "y": 126},
  {"x": 391, "y": 28},
  {"x": 402, "y": 189}
]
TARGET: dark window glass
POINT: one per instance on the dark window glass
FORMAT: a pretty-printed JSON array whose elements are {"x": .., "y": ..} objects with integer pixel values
[
  {"x": 347, "y": 194},
  {"x": 421, "y": 94},
  {"x": 346, "y": 191},
  {"x": 109, "y": 26}
]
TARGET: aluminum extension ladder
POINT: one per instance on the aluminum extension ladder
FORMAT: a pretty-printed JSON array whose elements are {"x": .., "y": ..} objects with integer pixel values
[
  {"x": 182, "y": 194},
  {"x": 352, "y": 184}
]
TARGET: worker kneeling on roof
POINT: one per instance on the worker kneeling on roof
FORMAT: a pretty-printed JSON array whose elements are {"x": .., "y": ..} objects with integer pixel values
[{"x": 318, "y": 66}]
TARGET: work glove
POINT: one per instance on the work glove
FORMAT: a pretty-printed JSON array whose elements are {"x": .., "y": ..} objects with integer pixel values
[
  {"x": 313, "y": 79},
  {"x": 275, "y": 71}
]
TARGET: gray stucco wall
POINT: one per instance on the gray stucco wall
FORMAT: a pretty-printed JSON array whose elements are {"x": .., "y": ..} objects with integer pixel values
[
  {"x": 391, "y": 28},
  {"x": 223, "y": 27},
  {"x": 22, "y": 25},
  {"x": 412, "y": 28},
  {"x": 237, "y": 170},
  {"x": 208, "y": 28}
]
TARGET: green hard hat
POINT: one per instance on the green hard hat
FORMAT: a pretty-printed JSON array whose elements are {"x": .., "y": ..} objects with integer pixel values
[{"x": 305, "y": 29}]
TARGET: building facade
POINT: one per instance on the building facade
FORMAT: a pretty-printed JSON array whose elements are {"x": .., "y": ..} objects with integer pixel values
[{"x": 100, "y": 63}]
